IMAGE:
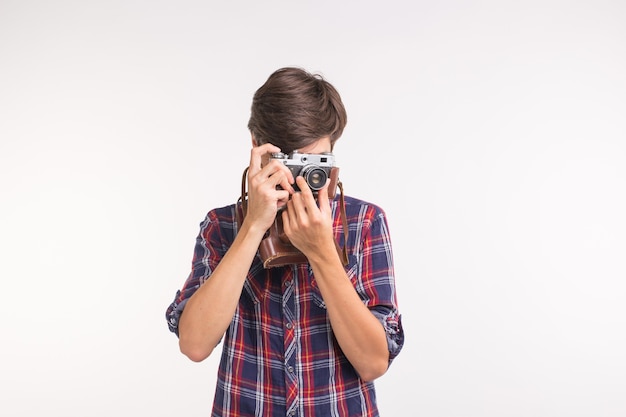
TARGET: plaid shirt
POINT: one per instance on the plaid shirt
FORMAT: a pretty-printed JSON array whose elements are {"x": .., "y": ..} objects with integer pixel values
[{"x": 280, "y": 357}]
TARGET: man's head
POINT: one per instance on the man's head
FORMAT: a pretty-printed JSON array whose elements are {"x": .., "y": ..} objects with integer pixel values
[{"x": 294, "y": 109}]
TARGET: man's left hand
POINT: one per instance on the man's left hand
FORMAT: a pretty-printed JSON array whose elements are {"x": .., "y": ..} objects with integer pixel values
[{"x": 308, "y": 223}]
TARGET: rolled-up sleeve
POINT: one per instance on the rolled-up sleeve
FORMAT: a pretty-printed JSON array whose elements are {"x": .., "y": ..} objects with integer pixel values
[
  {"x": 205, "y": 258},
  {"x": 175, "y": 309},
  {"x": 375, "y": 278},
  {"x": 392, "y": 324}
]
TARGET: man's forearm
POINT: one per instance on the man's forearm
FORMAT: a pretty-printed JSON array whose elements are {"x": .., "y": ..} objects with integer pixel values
[
  {"x": 359, "y": 333},
  {"x": 210, "y": 310}
]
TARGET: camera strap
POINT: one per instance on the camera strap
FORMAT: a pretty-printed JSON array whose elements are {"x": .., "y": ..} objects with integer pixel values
[{"x": 275, "y": 249}]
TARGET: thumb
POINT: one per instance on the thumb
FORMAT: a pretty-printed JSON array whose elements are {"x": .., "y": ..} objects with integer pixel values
[{"x": 322, "y": 198}]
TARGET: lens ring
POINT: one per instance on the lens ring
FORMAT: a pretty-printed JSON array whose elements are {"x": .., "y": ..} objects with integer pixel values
[{"x": 315, "y": 176}]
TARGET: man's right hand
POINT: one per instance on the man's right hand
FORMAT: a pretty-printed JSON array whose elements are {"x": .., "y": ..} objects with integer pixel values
[{"x": 264, "y": 177}]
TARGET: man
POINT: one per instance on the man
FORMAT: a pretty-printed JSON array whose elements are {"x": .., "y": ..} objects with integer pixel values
[{"x": 303, "y": 339}]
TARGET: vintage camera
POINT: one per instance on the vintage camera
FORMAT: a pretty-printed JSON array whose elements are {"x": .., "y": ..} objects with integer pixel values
[{"x": 316, "y": 169}]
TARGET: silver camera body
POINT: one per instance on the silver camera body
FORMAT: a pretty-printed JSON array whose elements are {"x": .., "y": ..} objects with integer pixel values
[{"x": 314, "y": 168}]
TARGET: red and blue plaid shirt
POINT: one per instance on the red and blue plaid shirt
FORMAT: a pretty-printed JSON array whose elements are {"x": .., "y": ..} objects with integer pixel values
[{"x": 280, "y": 357}]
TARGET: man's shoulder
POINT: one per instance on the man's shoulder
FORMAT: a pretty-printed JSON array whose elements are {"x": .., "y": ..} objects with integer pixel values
[
  {"x": 355, "y": 204},
  {"x": 224, "y": 209},
  {"x": 362, "y": 212},
  {"x": 222, "y": 213}
]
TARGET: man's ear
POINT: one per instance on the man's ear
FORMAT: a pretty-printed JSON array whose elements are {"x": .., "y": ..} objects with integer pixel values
[{"x": 254, "y": 142}]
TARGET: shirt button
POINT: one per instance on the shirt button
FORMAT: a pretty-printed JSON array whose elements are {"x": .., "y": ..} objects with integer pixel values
[
  {"x": 289, "y": 326},
  {"x": 287, "y": 283},
  {"x": 290, "y": 369}
]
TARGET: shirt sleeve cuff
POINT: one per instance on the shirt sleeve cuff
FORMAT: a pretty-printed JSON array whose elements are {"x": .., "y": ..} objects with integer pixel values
[
  {"x": 392, "y": 324},
  {"x": 174, "y": 311}
]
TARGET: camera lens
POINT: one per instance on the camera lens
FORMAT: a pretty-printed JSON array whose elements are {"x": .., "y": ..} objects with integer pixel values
[{"x": 315, "y": 177}]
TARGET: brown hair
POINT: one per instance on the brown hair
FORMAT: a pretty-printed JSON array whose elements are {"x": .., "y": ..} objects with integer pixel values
[{"x": 295, "y": 108}]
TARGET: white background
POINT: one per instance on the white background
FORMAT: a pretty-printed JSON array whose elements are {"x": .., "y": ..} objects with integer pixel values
[{"x": 493, "y": 134}]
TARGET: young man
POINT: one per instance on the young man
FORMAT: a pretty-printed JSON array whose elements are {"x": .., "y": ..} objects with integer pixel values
[{"x": 304, "y": 339}]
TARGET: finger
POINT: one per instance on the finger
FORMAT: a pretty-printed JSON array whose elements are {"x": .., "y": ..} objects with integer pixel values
[
  {"x": 322, "y": 197},
  {"x": 288, "y": 180},
  {"x": 257, "y": 154},
  {"x": 286, "y": 222},
  {"x": 306, "y": 192},
  {"x": 295, "y": 205},
  {"x": 278, "y": 175}
]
